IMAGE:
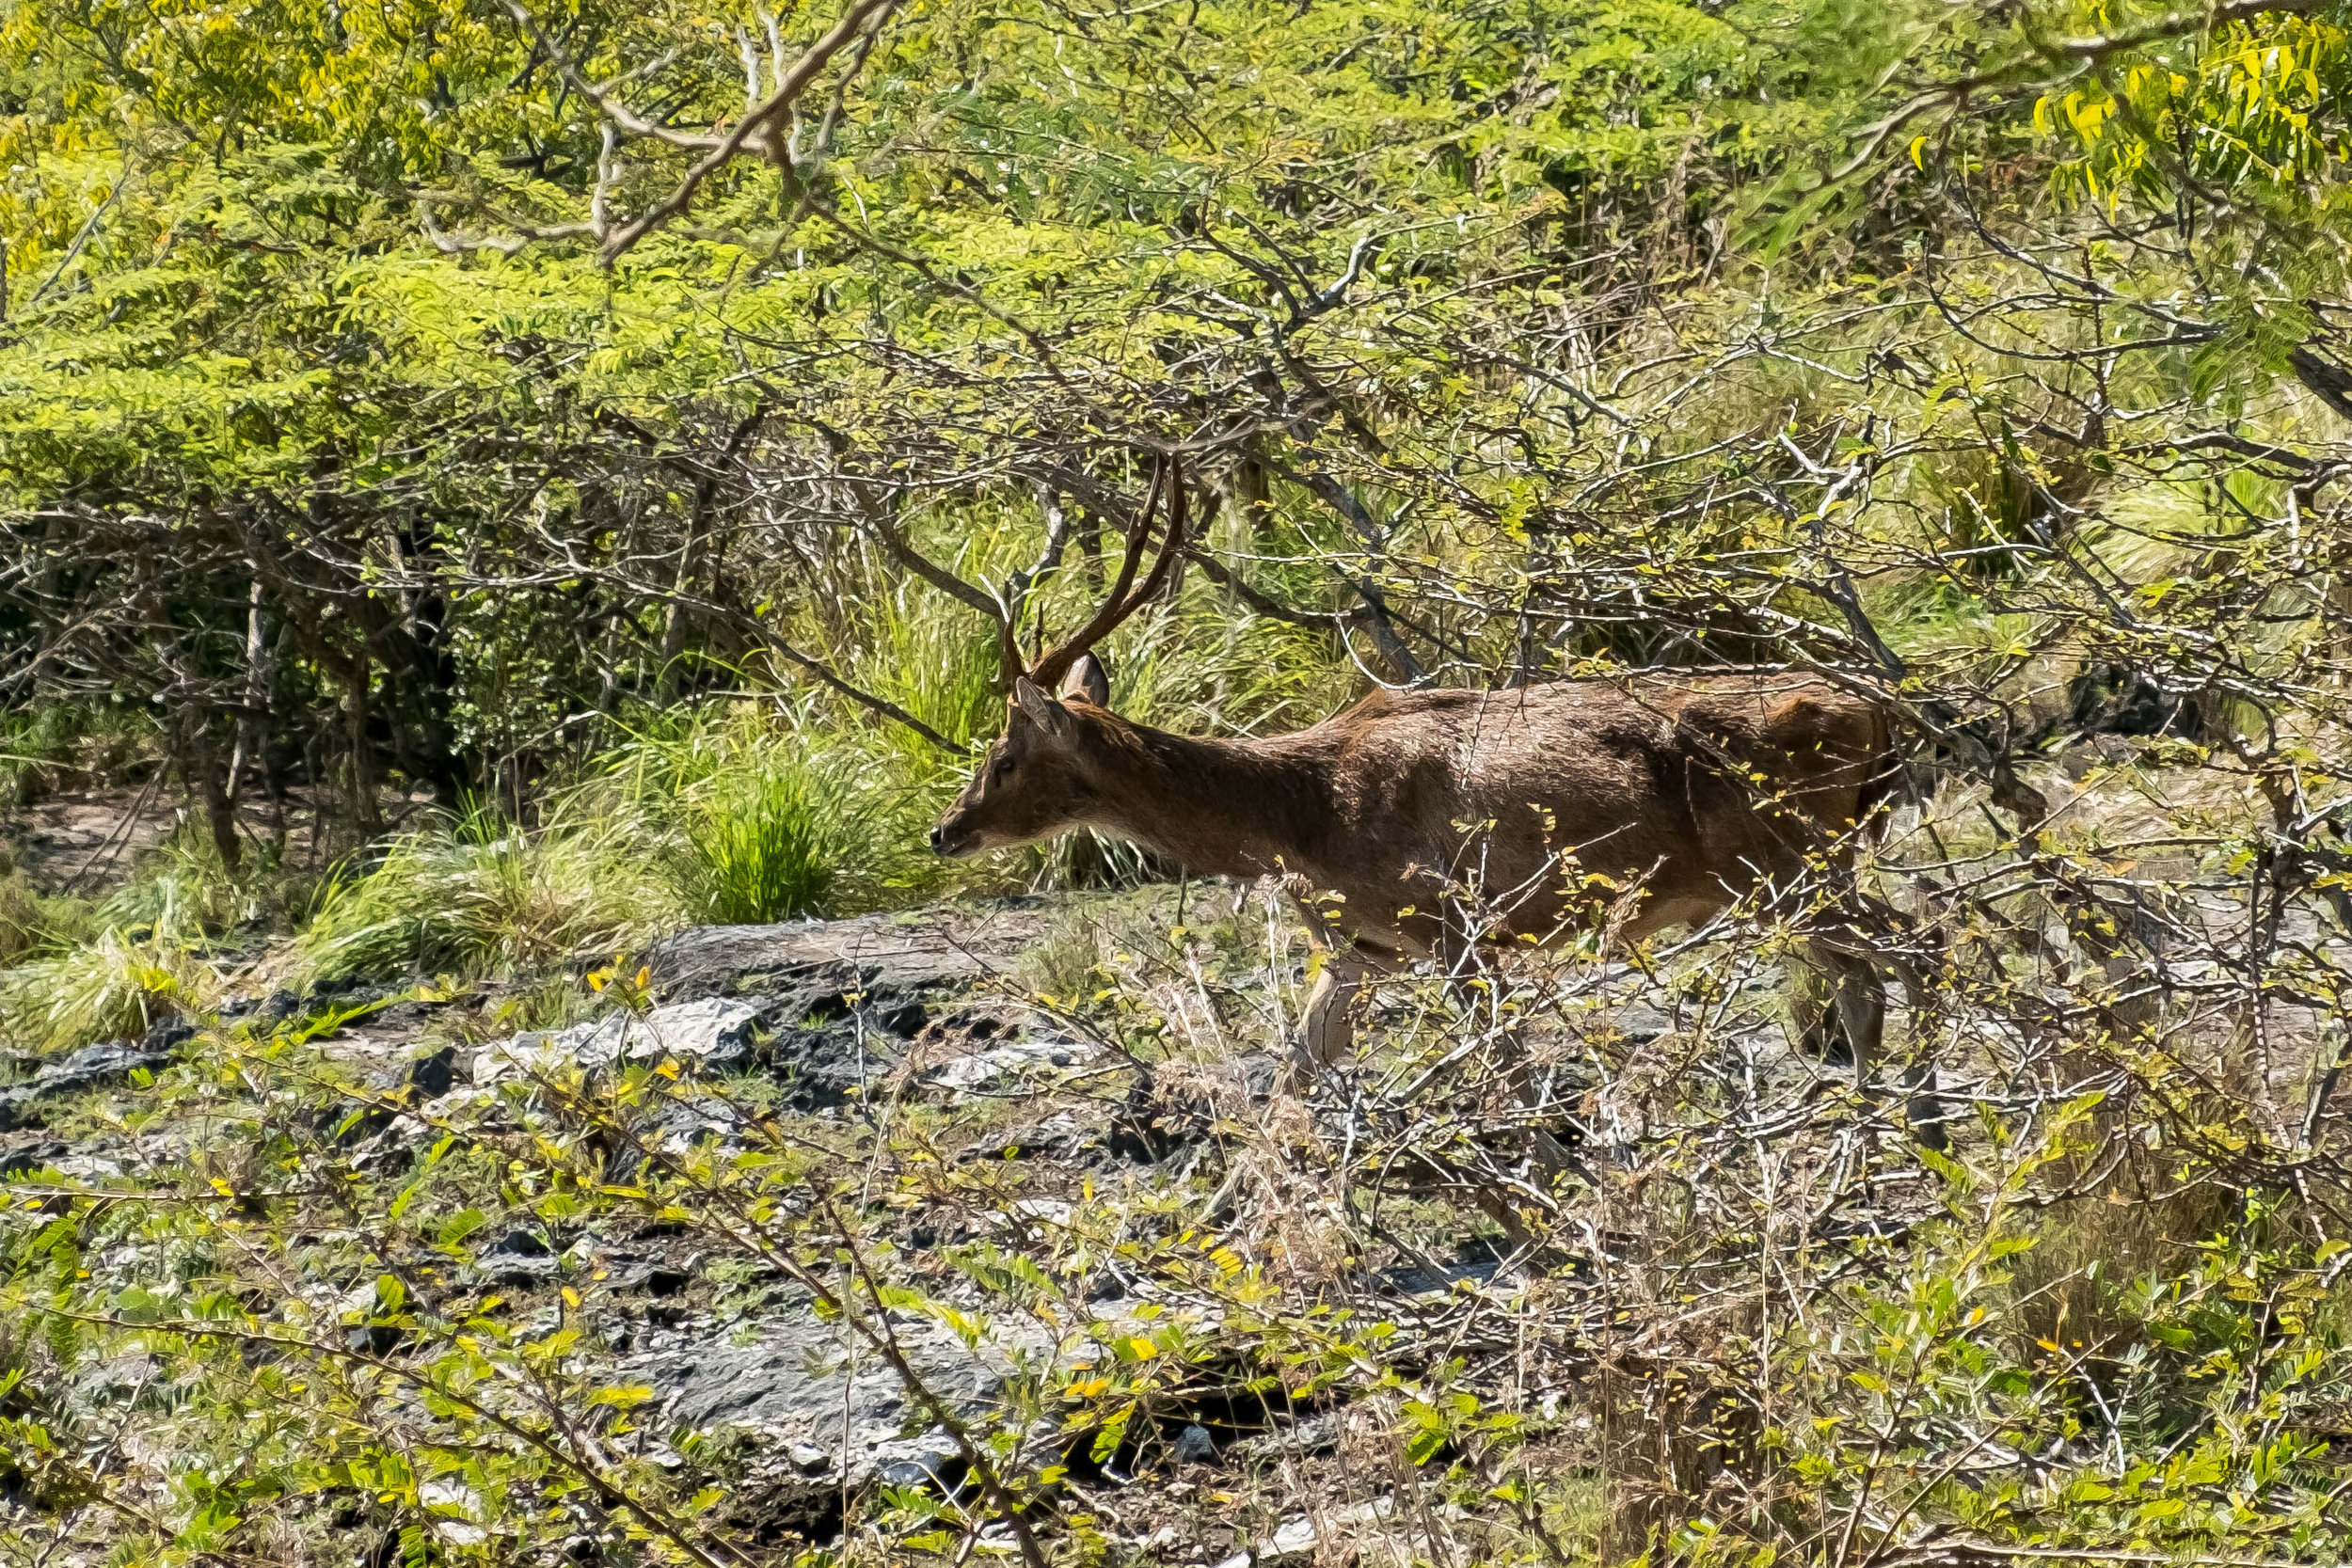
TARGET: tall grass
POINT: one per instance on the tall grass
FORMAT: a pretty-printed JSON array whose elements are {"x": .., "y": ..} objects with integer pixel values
[
  {"x": 731, "y": 814},
  {"x": 771, "y": 811},
  {"x": 477, "y": 893},
  {"x": 89, "y": 969},
  {"x": 32, "y": 924},
  {"x": 938, "y": 665}
]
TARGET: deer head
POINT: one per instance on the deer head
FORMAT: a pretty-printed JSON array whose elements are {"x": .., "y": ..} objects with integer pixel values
[{"x": 1039, "y": 778}]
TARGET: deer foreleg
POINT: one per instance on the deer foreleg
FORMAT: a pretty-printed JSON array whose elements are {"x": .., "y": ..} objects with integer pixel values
[
  {"x": 1840, "y": 1007},
  {"x": 1841, "y": 1013},
  {"x": 1327, "y": 1028},
  {"x": 1837, "y": 1002}
]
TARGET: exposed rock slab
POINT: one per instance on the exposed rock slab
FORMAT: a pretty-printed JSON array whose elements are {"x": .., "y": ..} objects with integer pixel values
[
  {"x": 927, "y": 949},
  {"x": 831, "y": 1403},
  {"x": 107, "y": 1062}
]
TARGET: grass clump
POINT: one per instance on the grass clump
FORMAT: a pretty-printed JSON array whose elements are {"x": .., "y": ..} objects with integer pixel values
[
  {"x": 770, "y": 817},
  {"x": 728, "y": 818},
  {"x": 115, "y": 988},
  {"x": 769, "y": 842},
  {"x": 117, "y": 984},
  {"x": 32, "y": 923},
  {"x": 74, "y": 971}
]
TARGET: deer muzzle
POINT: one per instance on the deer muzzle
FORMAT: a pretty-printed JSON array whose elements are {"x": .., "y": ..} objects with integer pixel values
[{"x": 952, "y": 841}]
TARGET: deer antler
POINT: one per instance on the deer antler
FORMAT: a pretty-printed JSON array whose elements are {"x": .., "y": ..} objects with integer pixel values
[
  {"x": 1002, "y": 604},
  {"x": 1052, "y": 666}
]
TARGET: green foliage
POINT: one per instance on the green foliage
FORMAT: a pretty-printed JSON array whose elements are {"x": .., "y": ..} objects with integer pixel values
[
  {"x": 935, "y": 665},
  {"x": 23, "y": 927}
]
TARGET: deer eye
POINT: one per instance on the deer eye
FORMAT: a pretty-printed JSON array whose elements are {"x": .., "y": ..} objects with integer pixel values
[{"x": 999, "y": 771}]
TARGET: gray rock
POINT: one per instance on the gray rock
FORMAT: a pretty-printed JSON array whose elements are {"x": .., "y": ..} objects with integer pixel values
[
  {"x": 110, "y": 1061},
  {"x": 22, "y": 1159},
  {"x": 520, "y": 1242},
  {"x": 835, "y": 1036},
  {"x": 1194, "y": 1446},
  {"x": 712, "y": 1031},
  {"x": 1061, "y": 1136},
  {"x": 797, "y": 1383},
  {"x": 107, "y": 1062},
  {"x": 1634, "y": 1024},
  {"x": 1168, "y": 1110},
  {"x": 1294, "y": 1542},
  {"x": 431, "y": 1076},
  {"x": 1019, "y": 1059},
  {"x": 656, "y": 1278},
  {"x": 1318, "y": 1434},
  {"x": 520, "y": 1259},
  {"x": 930, "y": 1463},
  {"x": 937, "y": 948}
]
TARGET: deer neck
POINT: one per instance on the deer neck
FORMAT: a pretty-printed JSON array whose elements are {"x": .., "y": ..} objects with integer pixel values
[{"x": 1229, "y": 808}]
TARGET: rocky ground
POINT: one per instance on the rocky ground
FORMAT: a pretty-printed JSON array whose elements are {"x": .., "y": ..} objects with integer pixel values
[{"x": 932, "y": 1018}]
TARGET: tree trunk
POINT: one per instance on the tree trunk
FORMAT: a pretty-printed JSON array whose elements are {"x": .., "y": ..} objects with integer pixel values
[
  {"x": 200, "y": 765},
  {"x": 367, "y": 820}
]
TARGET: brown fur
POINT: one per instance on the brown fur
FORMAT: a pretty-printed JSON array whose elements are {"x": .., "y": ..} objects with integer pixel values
[{"x": 1405, "y": 794}]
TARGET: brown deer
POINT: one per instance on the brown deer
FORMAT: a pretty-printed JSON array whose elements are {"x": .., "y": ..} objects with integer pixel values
[{"x": 1679, "y": 792}]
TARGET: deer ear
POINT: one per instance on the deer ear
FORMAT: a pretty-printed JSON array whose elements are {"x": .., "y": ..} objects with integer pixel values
[
  {"x": 1042, "y": 710},
  {"x": 1089, "y": 680}
]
